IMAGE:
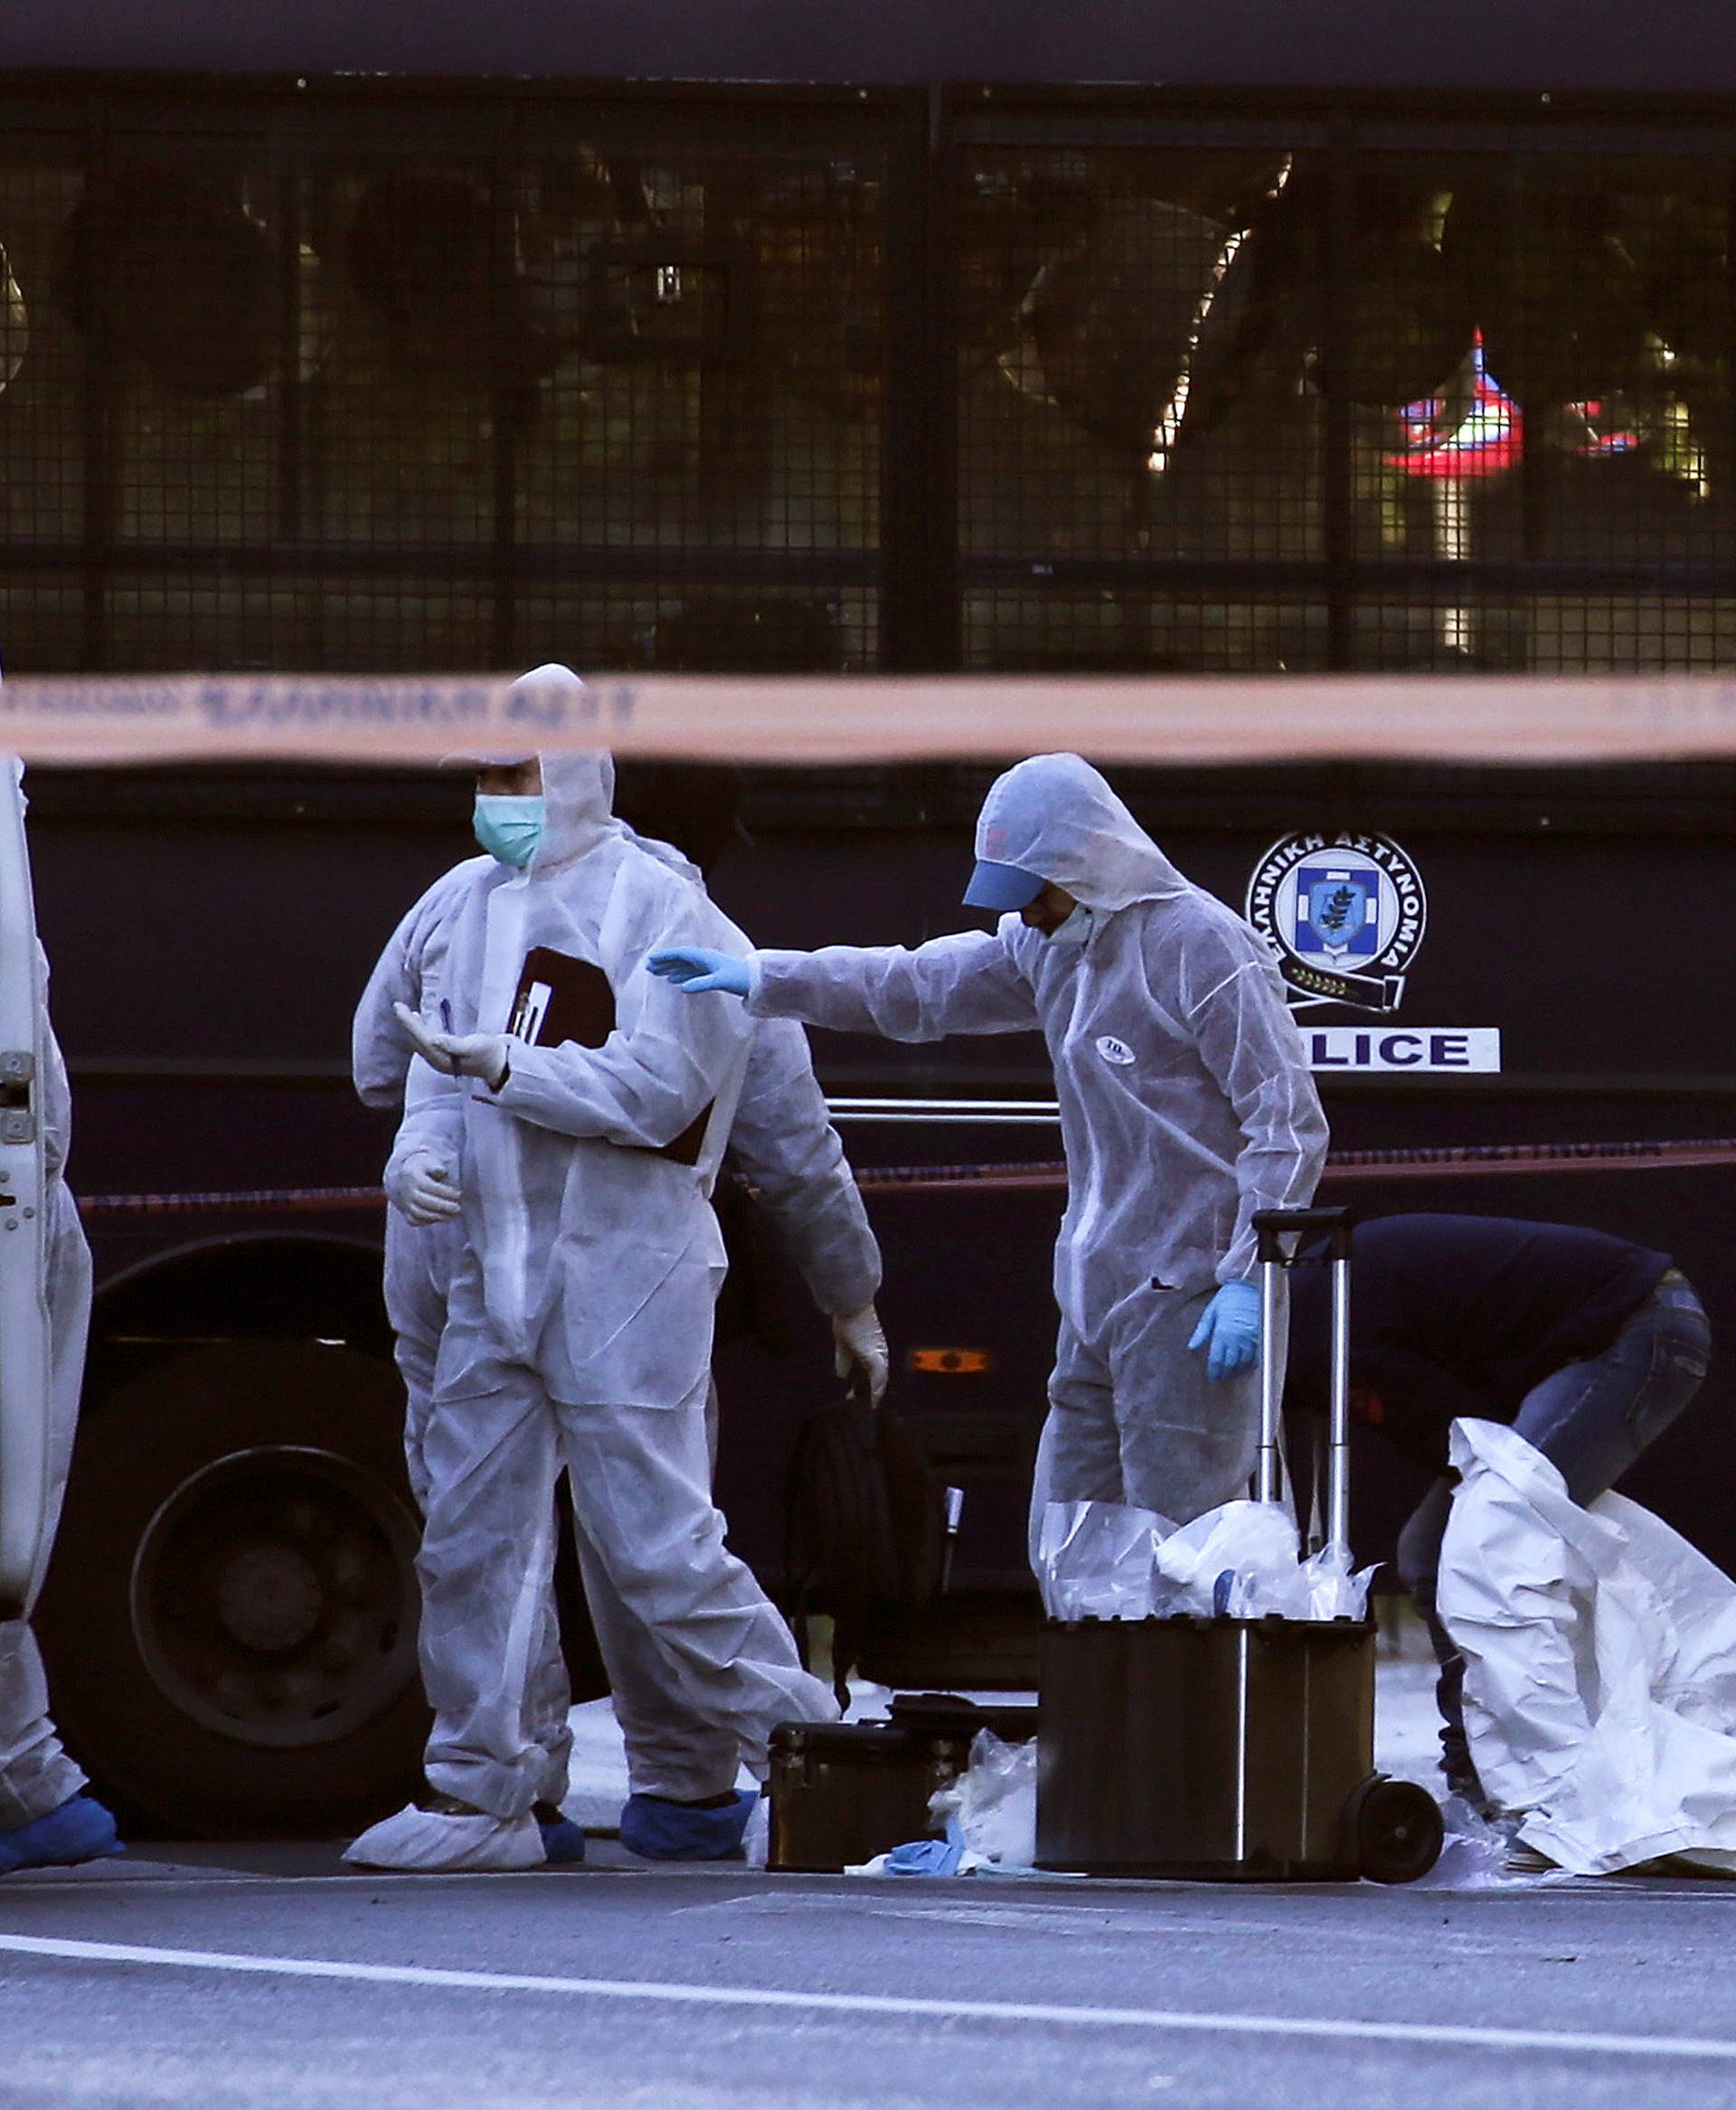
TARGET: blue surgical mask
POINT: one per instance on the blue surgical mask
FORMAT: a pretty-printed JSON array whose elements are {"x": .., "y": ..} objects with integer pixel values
[
  {"x": 1075, "y": 930},
  {"x": 509, "y": 827}
]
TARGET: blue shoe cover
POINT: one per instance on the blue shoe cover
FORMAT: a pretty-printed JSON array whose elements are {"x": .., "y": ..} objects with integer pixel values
[
  {"x": 563, "y": 1841},
  {"x": 656, "y": 1830},
  {"x": 79, "y": 1829}
]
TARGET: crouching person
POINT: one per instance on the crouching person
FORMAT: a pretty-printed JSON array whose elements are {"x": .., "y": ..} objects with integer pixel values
[{"x": 1587, "y": 1345}]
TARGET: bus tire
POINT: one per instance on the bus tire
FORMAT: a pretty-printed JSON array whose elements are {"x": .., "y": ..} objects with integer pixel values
[{"x": 229, "y": 1622}]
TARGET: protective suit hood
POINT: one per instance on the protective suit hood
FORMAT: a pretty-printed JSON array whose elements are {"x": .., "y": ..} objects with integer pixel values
[
  {"x": 578, "y": 788},
  {"x": 665, "y": 854},
  {"x": 579, "y": 797},
  {"x": 1055, "y": 816}
]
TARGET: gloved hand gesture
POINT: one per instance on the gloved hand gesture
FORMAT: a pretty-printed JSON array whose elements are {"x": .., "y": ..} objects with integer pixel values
[
  {"x": 862, "y": 1354},
  {"x": 423, "y": 1190},
  {"x": 696, "y": 968},
  {"x": 1229, "y": 1329},
  {"x": 482, "y": 1055}
]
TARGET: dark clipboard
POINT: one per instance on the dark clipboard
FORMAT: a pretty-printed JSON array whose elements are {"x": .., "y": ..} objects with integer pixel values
[{"x": 559, "y": 999}]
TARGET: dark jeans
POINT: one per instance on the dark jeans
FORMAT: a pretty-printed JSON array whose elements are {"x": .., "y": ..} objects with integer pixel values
[{"x": 1592, "y": 1420}]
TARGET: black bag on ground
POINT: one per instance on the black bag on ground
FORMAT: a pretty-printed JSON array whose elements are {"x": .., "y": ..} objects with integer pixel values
[{"x": 866, "y": 1525}]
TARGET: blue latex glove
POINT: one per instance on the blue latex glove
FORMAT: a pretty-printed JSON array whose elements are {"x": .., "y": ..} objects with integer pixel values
[
  {"x": 695, "y": 967},
  {"x": 925, "y": 1857},
  {"x": 930, "y": 1856},
  {"x": 1229, "y": 1324}
]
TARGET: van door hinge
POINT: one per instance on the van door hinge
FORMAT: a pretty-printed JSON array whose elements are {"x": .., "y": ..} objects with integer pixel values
[{"x": 17, "y": 1116}]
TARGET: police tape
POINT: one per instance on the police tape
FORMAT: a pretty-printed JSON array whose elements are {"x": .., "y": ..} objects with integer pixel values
[
  {"x": 1343, "y": 1168},
  {"x": 1355, "y": 1167},
  {"x": 1475, "y": 718},
  {"x": 237, "y": 1202}
]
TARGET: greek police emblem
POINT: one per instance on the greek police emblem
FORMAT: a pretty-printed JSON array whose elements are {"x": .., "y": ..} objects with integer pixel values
[{"x": 1345, "y": 914}]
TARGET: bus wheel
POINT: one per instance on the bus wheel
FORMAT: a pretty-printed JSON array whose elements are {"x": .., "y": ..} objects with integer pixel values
[{"x": 230, "y": 1618}]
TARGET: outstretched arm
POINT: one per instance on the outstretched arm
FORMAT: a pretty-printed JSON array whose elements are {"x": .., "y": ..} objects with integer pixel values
[{"x": 967, "y": 983}]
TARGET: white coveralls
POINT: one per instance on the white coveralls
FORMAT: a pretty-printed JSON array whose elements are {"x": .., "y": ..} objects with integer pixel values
[
  {"x": 577, "y": 1333},
  {"x": 1187, "y": 1105},
  {"x": 782, "y": 1142},
  {"x": 35, "y": 1774},
  {"x": 420, "y": 1259}
]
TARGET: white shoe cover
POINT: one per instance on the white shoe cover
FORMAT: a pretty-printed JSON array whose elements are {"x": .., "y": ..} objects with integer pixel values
[{"x": 422, "y": 1843}]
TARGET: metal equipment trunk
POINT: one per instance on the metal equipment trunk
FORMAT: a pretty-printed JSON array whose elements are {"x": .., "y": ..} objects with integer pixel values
[
  {"x": 1232, "y": 1749},
  {"x": 843, "y": 1792},
  {"x": 1204, "y": 1747}
]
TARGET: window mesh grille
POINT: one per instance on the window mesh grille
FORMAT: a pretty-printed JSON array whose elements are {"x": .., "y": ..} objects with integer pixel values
[{"x": 454, "y": 382}]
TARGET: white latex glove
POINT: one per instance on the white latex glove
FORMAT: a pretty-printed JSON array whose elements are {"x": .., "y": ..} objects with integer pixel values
[
  {"x": 482, "y": 1055},
  {"x": 861, "y": 1351},
  {"x": 423, "y": 1190}
]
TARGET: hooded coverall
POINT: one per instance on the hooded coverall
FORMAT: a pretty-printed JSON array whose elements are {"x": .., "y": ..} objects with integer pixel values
[
  {"x": 35, "y": 1774},
  {"x": 781, "y": 1141},
  {"x": 578, "y": 1334},
  {"x": 1187, "y": 1105}
]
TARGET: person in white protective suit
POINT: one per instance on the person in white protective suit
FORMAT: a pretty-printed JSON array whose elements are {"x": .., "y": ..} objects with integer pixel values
[
  {"x": 1187, "y": 1105},
  {"x": 578, "y": 1334},
  {"x": 781, "y": 1142},
  {"x": 420, "y": 1259},
  {"x": 46, "y": 1818}
]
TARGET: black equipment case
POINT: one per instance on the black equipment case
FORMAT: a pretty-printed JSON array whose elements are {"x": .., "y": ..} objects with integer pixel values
[
  {"x": 843, "y": 1792},
  {"x": 1226, "y": 1749}
]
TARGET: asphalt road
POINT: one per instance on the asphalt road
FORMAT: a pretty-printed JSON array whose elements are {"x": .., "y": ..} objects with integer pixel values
[{"x": 229, "y": 1976}]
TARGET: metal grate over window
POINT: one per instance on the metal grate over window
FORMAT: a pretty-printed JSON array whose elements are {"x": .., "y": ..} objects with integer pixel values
[
  {"x": 441, "y": 379},
  {"x": 1311, "y": 402},
  {"x": 430, "y": 390}
]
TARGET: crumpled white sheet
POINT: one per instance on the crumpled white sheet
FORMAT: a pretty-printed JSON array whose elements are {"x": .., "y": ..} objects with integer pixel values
[
  {"x": 1601, "y": 1664},
  {"x": 1105, "y": 1561},
  {"x": 422, "y": 1843}
]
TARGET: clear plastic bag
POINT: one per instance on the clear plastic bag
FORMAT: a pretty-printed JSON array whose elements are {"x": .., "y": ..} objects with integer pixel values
[
  {"x": 988, "y": 1816},
  {"x": 1105, "y": 1561},
  {"x": 1239, "y": 1559},
  {"x": 1098, "y": 1559},
  {"x": 1333, "y": 1589},
  {"x": 991, "y": 1809}
]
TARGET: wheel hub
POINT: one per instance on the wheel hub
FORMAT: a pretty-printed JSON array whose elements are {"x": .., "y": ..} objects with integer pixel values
[{"x": 269, "y": 1597}]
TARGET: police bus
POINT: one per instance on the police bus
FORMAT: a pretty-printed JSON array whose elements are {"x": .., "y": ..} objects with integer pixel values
[{"x": 786, "y": 340}]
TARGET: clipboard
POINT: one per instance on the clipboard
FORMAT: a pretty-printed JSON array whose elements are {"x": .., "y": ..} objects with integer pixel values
[{"x": 559, "y": 999}]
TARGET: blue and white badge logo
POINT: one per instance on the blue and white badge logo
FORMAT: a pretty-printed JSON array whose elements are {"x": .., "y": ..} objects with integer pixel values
[{"x": 1346, "y": 914}]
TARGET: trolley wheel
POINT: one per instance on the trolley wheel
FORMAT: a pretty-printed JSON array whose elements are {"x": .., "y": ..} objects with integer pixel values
[{"x": 1394, "y": 1829}]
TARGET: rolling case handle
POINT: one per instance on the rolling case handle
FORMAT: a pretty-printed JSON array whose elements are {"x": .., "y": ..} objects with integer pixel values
[{"x": 1284, "y": 1235}]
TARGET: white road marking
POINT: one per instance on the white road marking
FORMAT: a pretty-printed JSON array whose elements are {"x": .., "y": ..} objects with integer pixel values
[{"x": 1586, "y": 2043}]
